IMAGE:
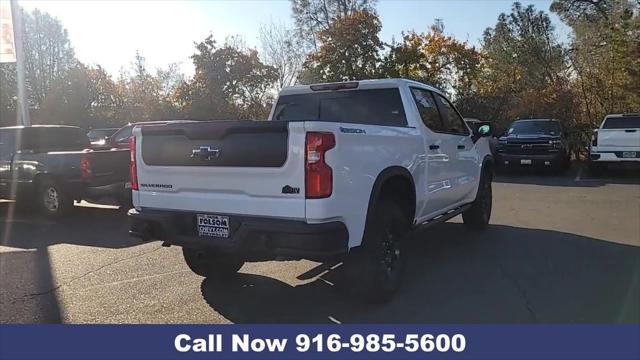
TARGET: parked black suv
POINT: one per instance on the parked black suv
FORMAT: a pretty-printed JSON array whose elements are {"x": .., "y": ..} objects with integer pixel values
[
  {"x": 534, "y": 143},
  {"x": 50, "y": 166}
]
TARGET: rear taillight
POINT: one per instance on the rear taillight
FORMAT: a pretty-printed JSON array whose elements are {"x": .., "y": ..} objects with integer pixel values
[
  {"x": 594, "y": 138},
  {"x": 133, "y": 169},
  {"x": 318, "y": 175},
  {"x": 85, "y": 167}
]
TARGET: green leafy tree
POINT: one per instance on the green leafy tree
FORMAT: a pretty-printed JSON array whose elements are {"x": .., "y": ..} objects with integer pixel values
[
  {"x": 313, "y": 16},
  {"x": 436, "y": 59},
  {"x": 8, "y": 94},
  {"x": 48, "y": 54},
  {"x": 229, "y": 82},
  {"x": 525, "y": 73},
  {"x": 604, "y": 55},
  {"x": 350, "y": 50}
]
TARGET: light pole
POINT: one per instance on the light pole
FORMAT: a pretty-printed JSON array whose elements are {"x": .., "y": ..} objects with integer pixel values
[{"x": 22, "y": 109}]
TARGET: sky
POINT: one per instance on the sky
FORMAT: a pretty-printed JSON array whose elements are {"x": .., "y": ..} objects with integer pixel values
[{"x": 110, "y": 32}]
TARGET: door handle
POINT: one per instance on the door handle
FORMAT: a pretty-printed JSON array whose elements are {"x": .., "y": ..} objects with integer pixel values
[
  {"x": 461, "y": 147},
  {"x": 434, "y": 147}
]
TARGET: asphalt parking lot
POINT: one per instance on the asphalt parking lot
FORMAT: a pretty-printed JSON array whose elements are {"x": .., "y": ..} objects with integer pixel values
[{"x": 559, "y": 249}]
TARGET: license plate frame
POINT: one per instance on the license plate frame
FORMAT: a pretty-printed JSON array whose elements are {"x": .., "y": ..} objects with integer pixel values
[
  {"x": 629, "y": 154},
  {"x": 213, "y": 226},
  {"x": 526, "y": 162}
]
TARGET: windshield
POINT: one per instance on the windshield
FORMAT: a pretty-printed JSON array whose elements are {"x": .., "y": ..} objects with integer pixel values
[
  {"x": 97, "y": 134},
  {"x": 377, "y": 106},
  {"x": 543, "y": 127},
  {"x": 123, "y": 134}
]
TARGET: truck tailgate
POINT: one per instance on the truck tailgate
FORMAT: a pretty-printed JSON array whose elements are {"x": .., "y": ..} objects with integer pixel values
[
  {"x": 109, "y": 166},
  {"x": 619, "y": 137},
  {"x": 222, "y": 167}
]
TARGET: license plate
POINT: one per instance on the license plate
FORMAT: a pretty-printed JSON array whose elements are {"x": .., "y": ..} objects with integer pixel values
[
  {"x": 628, "y": 154},
  {"x": 525, "y": 162},
  {"x": 213, "y": 225}
]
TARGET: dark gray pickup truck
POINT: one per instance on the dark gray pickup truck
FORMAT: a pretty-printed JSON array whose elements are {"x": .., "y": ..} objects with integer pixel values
[{"x": 51, "y": 166}]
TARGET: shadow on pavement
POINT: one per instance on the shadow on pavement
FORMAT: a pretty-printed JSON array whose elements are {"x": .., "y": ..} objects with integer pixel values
[
  {"x": 39, "y": 302},
  {"x": 28, "y": 288},
  {"x": 577, "y": 176},
  {"x": 87, "y": 226},
  {"x": 503, "y": 275}
]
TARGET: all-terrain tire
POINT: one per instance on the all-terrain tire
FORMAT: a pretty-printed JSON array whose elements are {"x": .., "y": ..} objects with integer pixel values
[
  {"x": 478, "y": 215},
  {"x": 375, "y": 269},
  {"x": 51, "y": 199}
]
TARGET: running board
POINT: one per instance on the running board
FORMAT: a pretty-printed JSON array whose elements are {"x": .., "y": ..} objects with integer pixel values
[{"x": 443, "y": 217}]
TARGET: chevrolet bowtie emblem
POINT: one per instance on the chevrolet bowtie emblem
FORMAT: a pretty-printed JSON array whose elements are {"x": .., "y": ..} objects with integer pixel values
[{"x": 205, "y": 153}]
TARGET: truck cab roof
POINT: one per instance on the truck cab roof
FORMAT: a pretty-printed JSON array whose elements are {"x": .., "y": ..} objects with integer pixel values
[
  {"x": 353, "y": 85},
  {"x": 525, "y": 120}
]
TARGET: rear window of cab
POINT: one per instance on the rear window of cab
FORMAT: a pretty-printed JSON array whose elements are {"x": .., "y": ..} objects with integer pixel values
[
  {"x": 622, "y": 122},
  {"x": 371, "y": 107}
]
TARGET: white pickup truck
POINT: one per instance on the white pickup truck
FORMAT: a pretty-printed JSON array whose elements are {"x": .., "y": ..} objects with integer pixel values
[
  {"x": 339, "y": 169},
  {"x": 617, "y": 140}
]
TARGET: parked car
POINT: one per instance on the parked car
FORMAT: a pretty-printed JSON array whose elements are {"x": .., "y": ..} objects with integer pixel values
[
  {"x": 51, "y": 166},
  {"x": 119, "y": 139},
  {"x": 534, "y": 142},
  {"x": 617, "y": 140},
  {"x": 340, "y": 169},
  {"x": 100, "y": 134}
]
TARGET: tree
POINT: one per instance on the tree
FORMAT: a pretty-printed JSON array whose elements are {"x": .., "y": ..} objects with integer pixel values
[
  {"x": 314, "y": 16},
  {"x": 604, "y": 55},
  {"x": 282, "y": 49},
  {"x": 434, "y": 58},
  {"x": 8, "y": 94},
  {"x": 350, "y": 50},
  {"x": 524, "y": 70},
  {"x": 229, "y": 82},
  {"x": 48, "y": 54}
]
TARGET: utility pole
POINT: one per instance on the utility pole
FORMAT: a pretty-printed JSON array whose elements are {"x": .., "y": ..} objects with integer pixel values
[{"x": 22, "y": 109}]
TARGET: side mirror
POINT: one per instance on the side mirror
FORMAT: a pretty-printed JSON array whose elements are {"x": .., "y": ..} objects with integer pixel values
[{"x": 482, "y": 129}]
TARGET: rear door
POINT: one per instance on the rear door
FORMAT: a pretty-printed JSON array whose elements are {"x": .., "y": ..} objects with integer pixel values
[
  {"x": 222, "y": 167},
  {"x": 619, "y": 132}
]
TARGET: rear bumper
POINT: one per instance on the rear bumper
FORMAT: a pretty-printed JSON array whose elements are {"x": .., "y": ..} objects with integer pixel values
[
  {"x": 252, "y": 239},
  {"x": 613, "y": 156},
  {"x": 550, "y": 159}
]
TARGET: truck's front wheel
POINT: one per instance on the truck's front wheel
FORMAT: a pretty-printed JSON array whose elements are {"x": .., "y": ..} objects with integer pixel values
[{"x": 208, "y": 264}]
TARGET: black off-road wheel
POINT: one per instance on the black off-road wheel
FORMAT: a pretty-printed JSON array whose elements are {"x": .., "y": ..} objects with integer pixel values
[
  {"x": 125, "y": 201},
  {"x": 478, "y": 215},
  {"x": 211, "y": 265},
  {"x": 51, "y": 199},
  {"x": 376, "y": 268}
]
